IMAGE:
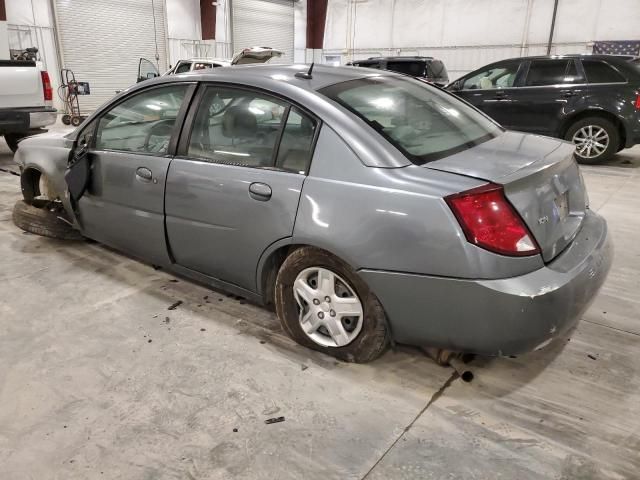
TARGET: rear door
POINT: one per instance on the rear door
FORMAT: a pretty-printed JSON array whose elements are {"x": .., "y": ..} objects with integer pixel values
[
  {"x": 130, "y": 151},
  {"x": 490, "y": 89},
  {"x": 550, "y": 91},
  {"x": 234, "y": 188}
]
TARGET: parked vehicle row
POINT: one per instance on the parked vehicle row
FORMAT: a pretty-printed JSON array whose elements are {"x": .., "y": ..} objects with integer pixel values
[
  {"x": 247, "y": 56},
  {"x": 590, "y": 100},
  {"x": 366, "y": 206}
]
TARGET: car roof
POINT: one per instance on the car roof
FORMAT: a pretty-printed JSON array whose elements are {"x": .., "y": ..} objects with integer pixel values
[
  {"x": 397, "y": 59},
  {"x": 601, "y": 56},
  {"x": 205, "y": 59},
  {"x": 322, "y": 75}
]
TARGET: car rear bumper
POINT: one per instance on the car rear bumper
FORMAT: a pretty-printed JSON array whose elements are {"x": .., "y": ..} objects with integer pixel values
[
  {"x": 22, "y": 120},
  {"x": 498, "y": 317}
]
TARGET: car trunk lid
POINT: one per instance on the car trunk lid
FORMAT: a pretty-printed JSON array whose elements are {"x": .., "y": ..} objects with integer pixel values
[
  {"x": 255, "y": 55},
  {"x": 540, "y": 178}
]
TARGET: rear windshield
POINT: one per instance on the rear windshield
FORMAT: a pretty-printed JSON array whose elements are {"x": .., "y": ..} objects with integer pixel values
[
  {"x": 415, "y": 69},
  {"x": 635, "y": 63},
  {"x": 423, "y": 122}
]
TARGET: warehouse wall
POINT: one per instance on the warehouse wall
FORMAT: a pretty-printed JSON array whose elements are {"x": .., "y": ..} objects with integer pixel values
[
  {"x": 468, "y": 34},
  {"x": 185, "y": 34}
]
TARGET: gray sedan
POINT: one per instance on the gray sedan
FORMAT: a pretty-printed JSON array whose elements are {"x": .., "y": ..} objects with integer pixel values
[{"x": 365, "y": 206}]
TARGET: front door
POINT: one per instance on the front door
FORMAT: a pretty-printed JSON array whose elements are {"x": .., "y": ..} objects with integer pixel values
[
  {"x": 548, "y": 93},
  {"x": 490, "y": 90},
  {"x": 234, "y": 188},
  {"x": 130, "y": 154}
]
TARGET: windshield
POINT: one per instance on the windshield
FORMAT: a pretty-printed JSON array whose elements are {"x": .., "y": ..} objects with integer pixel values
[{"x": 423, "y": 122}]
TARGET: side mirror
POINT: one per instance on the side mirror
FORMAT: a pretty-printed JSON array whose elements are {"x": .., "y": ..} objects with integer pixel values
[{"x": 456, "y": 86}]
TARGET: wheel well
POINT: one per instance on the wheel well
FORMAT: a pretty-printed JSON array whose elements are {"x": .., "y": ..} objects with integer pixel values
[
  {"x": 270, "y": 270},
  {"x": 597, "y": 113},
  {"x": 36, "y": 184},
  {"x": 272, "y": 266},
  {"x": 30, "y": 184}
]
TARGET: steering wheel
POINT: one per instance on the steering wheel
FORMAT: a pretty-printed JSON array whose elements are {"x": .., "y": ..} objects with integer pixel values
[{"x": 162, "y": 128}]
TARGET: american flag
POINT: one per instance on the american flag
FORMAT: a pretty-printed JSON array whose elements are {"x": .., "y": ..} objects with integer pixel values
[{"x": 618, "y": 47}]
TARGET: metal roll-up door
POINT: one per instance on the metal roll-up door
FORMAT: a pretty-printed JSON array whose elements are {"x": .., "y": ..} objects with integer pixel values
[
  {"x": 102, "y": 42},
  {"x": 263, "y": 23}
]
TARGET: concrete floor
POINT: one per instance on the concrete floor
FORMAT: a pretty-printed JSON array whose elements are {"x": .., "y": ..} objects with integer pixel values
[{"x": 99, "y": 380}]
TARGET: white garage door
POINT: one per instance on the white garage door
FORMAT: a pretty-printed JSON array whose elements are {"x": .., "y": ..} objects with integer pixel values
[
  {"x": 102, "y": 42},
  {"x": 263, "y": 23}
]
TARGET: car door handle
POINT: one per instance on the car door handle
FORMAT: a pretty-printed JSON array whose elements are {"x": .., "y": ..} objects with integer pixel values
[
  {"x": 567, "y": 93},
  {"x": 260, "y": 191},
  {"x": 144, "y": 174},
  {"x": 500, "y": 95}
]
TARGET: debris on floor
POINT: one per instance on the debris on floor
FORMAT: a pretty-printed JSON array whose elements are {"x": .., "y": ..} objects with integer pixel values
[
  {"x": 175, "y": 305},
  {"x": 269, "y": 421}
]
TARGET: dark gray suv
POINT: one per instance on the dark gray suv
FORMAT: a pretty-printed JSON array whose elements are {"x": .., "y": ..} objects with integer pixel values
[
  {"x": 590, "y": 100},
  {"x": 425, "y": 68}
]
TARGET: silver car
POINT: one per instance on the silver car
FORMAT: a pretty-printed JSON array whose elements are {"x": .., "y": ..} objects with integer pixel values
[{"x": 368, "y": 207}]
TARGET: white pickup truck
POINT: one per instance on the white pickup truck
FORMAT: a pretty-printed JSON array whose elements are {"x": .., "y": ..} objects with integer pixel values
[{"x": 26, "y": 100}]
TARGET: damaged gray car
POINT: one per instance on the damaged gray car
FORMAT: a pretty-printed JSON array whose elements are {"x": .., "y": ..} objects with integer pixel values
[{"x": 365, "y": 206}]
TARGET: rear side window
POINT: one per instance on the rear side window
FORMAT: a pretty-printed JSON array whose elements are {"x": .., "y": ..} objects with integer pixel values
[
  {"x": 375, "y": 65},
  {"x": 201, "y": 66},
  {"x": 552, "y": 72},
  {"x": 415, "y": 69},
  {"x": 294, "y": 153},
  {"x": 600, "y": 72}
]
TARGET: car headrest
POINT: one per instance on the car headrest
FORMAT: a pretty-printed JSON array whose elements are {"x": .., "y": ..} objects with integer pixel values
[
  {"x": 306, "y": 126},
  {"x": 238, "y": 122}
]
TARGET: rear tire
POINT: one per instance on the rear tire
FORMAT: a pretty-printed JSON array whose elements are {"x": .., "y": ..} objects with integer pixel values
[
  {"x": 373, "y": 337},
  {"x": 12, "y": 140},
  {"x": 43, "y": 218},
  {"x": 590, "y": 135}
]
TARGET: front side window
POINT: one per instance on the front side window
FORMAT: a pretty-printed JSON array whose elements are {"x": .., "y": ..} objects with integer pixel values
[
  {"x": 552, "y": 72},
  {"x": 143, "y": 123},
  {"x": 415, "y": 69},
  {"x": 424, "y": 123},
  {"x": 237, "y": 127},
  {"x": 599, "y": 72},
  {"x": 503, "y": 76}
]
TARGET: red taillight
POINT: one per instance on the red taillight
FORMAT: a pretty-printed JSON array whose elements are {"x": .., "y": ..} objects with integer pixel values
[
  {"x": 489, "y": 221},
  {"x": 638, "y": 102},
  {"x": 46, "y": 86}
]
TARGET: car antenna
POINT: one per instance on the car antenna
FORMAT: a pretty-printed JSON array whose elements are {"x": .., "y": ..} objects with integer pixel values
[{"x": 306, "y": 75}]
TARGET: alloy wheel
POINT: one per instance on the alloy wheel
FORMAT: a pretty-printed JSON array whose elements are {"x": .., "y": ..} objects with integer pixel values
[
  {"x": 591, "y": 141},
  {"x": 330, "y": 312}
]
